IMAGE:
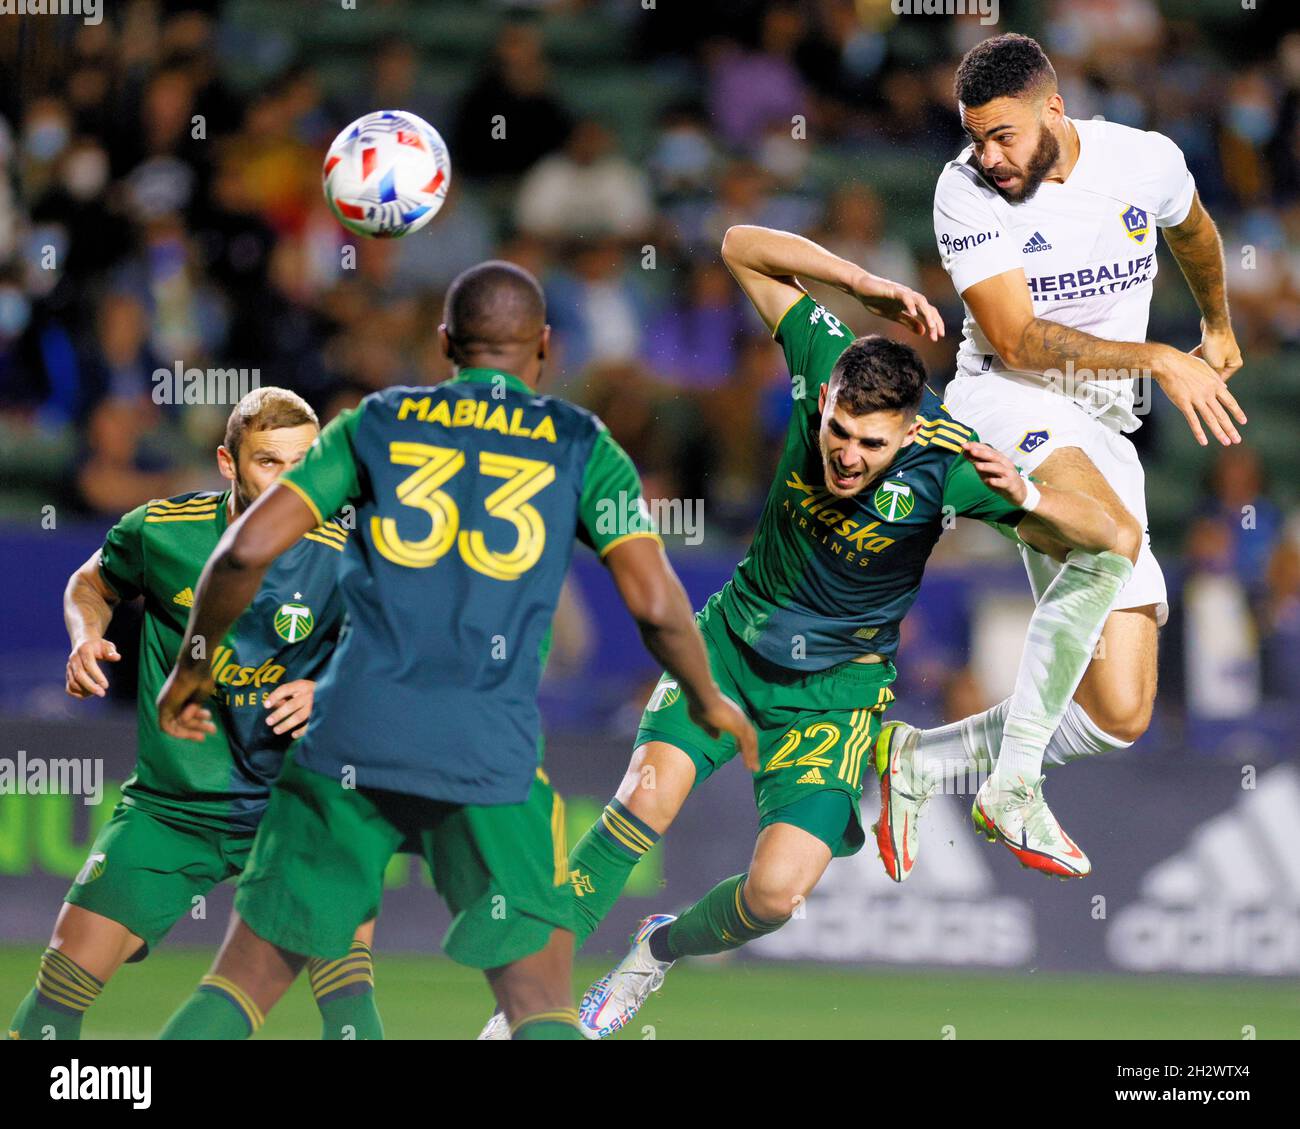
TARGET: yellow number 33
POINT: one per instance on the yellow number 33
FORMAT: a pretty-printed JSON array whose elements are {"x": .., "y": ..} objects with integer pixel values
[{"x": 423, "y": 490}]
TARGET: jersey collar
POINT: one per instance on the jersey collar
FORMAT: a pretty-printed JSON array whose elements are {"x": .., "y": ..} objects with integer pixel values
[{"x": 488, "y": 376}]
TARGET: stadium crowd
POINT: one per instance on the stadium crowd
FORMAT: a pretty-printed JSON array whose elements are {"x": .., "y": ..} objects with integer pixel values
[{"x": 160, "y": 204}]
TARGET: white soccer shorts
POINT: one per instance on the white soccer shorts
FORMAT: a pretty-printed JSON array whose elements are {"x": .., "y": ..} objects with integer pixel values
[{"x": 1027, "y": 423}]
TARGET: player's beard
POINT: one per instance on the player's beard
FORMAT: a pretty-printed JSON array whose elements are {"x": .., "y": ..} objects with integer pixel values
[
  {"x": 243, "y": 497},
  {"x": 1042, "y": 159}
]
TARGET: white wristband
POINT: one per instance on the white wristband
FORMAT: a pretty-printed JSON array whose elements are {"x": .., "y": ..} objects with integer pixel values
[{"x": 1032, "y": 497}]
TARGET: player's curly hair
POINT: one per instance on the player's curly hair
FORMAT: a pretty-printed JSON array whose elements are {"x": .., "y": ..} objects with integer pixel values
[
  {"x": 875, "y": 374},
  {"x": 1002, "y": 67}
]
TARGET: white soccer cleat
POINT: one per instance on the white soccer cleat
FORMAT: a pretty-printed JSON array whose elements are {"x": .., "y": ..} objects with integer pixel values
[
  {"x": 1018, "y": 816},
  {"x": 497, "y": 1027},
  {"x": 904, "y": 791},
  {"x": 612, "y": 1001}
]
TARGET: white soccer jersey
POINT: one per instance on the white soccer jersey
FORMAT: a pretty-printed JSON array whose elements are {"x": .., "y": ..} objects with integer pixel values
[{"x": 1087, "y": 247}]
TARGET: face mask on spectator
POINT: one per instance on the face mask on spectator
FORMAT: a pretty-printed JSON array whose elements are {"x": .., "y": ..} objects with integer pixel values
[
  {"x": 85, "y": 173},
  {"x": 1252, "y": 123},
  {"x": 15, "y": 311},
  {"x": 45, "y": 140}
]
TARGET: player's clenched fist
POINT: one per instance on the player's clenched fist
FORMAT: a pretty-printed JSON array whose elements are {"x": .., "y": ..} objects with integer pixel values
[
  {"x": 84, "y": 678},
  {"x": 181, "y": 712},
  {"x": 722, "y": 715},
  {"x": 290, "y": 706}
]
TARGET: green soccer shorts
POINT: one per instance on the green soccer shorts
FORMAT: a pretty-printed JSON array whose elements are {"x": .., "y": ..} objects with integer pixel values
[
  {"x": 317, "y": 867},
  {"x": 815, "y": 732},
  {"x": 146, "y": 872}
]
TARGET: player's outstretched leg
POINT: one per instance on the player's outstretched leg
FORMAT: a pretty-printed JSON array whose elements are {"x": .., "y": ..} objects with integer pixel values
[
  {"x": 345, "y": 991},
  {"x": 1021, "y": 732},
  {"x": 85, "y": 950},
  {"x": 788, "y": 862},
  {"x": 906, "y": 785},
  {"x": 658, "y": 780},
  {"x": 249, "y": 977}
]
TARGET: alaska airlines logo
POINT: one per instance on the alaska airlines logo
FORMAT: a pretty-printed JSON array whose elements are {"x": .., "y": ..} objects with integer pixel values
[
  {"x": 1135, "y": 224},
  {"x": 474, "y": 413},
  {"x": 819, "y": 505},
  {"x": 227, "y": 672}
]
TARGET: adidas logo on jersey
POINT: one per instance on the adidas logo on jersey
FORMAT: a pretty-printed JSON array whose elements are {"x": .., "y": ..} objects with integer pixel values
[
  {"x": 812, "y": 776},
  {"x": 185, "y": 597},
  {"x": 1036, "y": 243},
  {"x": 1229, "y": 901}
]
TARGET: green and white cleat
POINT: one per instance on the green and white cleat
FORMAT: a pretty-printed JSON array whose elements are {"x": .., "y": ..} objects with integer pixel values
[
  {"x": 905, "y": 789},
  {"x": 1017, "y": 816}
]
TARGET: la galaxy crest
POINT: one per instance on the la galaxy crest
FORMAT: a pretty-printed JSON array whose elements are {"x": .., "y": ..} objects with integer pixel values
[{"x": 1136, "y": 225}]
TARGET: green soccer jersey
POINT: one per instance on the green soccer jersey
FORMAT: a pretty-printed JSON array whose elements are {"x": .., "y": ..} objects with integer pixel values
[
  {"x": 468, "y": 498},
  {"x": 828, "y": 579},
  {"x": 289, "y": 631}
]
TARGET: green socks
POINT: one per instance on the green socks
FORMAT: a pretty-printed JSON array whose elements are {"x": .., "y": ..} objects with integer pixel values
[
  {"x": 345, "y": 993},
  {"x": 717, "y": 922},
  {"x": 219, "y": 1009},
  {"x": 561, "y": 1024},
  {"x": 55, "y": 1007},
  {"x": 602, "y": 862}
]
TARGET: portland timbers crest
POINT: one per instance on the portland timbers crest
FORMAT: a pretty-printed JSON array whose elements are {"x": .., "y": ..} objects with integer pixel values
[
  {"x": 294, "y": 622},
  {"x": 894, "y": 500}
]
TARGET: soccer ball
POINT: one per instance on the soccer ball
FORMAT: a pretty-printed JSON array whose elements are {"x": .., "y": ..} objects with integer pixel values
[{"x": 386, "y": 174}]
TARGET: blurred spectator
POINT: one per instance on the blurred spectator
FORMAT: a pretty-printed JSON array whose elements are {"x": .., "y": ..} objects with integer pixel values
[
  {"x": 693, "y": 341},
  {"x": 120, "y": 365},
  {"x": 595, "y": 308},
  {"x": 1250, "y": 523},
  {"x": 120, "y": 469},
  {"x": 589, "y": 189},
  {"x": 509, "y": 119},
  {"x": 749, "y": 90}
]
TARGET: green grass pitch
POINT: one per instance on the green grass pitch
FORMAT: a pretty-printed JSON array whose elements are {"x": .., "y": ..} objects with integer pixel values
[{"x": 424, "y": 997}]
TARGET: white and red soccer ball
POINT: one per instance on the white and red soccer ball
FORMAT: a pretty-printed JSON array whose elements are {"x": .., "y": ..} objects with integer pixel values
[{"x": 386, "y": 175}]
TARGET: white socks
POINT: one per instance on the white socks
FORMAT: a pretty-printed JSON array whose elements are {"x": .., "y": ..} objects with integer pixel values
[
  {"x": 956, "y": 751},
  {"x": 1059, "y": 645},
  {"x": 1040, "y": 721}
]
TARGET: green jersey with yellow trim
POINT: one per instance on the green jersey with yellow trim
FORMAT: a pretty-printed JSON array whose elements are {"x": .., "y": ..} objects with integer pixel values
[
  {"x": 288, "y": 632},
  {"x": 468, "y": 497},
  {"x": 829, "y": 579}
]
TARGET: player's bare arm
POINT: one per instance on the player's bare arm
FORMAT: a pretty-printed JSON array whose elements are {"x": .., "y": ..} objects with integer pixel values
[
  {"x": 1005, "y": 312},
  {"x": 768, "y": 265},
  {"x": 659, "y": 604},
  {"x": 1196, "y": 245},
  {"x": 1060, "y": 518},
  {"x": 88, "y": 603},
  {"x": 229, "y": 582}
]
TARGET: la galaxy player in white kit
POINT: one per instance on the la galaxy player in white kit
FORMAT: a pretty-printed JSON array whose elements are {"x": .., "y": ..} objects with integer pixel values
[{"x": 1048, "y": 228}]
